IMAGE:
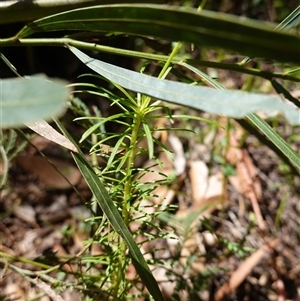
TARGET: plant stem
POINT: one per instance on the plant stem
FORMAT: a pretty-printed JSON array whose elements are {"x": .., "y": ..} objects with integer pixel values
[
  {"x": 126, "y": 202},
  {"x": 130, "y": 163},
  {"x": 25, "y": 260},
  {"x": 149, "y": 56},
  {"x": 170, "y": 58},
  {"x": 137, "y": 120}
]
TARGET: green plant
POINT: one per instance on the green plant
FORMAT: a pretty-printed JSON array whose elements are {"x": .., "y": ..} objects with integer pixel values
[
  {"x": 121, "y": 179},
  {"x": 116, "y": 186}
]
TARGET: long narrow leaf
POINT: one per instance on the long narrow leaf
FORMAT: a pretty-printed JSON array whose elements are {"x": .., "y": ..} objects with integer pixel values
[
  {"x": 205, "y": 28},
  {"x": 292, "y": 20},
  {"x": 276, "y": 139},
  {"x": 268, "y": 131},
  {"x": 235, "y": 104},
  {"x": 253, "y": 128},
  {"x": 281, "y": 90},
  {"x": 13, "y": 11},
  {"x": 149, "y": 138}
]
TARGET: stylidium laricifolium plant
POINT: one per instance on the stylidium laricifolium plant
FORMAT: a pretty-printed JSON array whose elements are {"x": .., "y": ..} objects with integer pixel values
[
  {"x": 111, "y": 265},
  {"x": 114, "y": 157}
]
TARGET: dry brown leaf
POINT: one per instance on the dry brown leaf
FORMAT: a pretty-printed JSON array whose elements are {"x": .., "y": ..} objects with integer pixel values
[
  {"x": 178, "y": 153},
  {"x": 26, "y": 213},
  {"x": 206, "y": 190},
  {"x": 191, "y": 246},
  {"x": 39, "y": 143},
  {"x": 71, "y": 294},
  {"x": 44, "y": 129},
  {"x": 246, "y": 181},
  {"x": 199, "y": 180},
  {"x": 207, "y": 194},
  {"x": 47, "y": 174},
  {"x": 47, "y": 289},
  {"x": 14, "y": 292},
  {"x": 59, "y": 250},
  {"x": 1, "y": 168},
  {"x": 240, "y": 274},
  {"x": 166, "y": 283}
]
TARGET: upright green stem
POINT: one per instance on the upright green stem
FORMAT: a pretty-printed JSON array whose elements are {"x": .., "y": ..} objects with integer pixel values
[
  {"x": 137, "y": 120},
  {"x": 176, "y": 48},
  {"x": 201, "y": 6},
  {"x": 170, "y": 59},
  {"x": 130, "y": 164},
  {"x": 25, "y": 260},
  {"x": 126, "y": 201}
]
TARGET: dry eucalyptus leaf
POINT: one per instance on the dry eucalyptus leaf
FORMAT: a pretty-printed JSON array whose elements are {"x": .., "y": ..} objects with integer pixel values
[
  {"x": 44, "y": 129},
  {"x": 179, "y": 156},
  {"x": 1, "y": 168},
  {"x": 205, "y": 189},
  {"x": 14, "y": 292},
  {"x": 47, "y": 289},
  {"x": 47, "y": 174},
  {"x": 246, "y": 180},
  {"x": 25, "y": 213},
  {"x": 244, "y": 270}
]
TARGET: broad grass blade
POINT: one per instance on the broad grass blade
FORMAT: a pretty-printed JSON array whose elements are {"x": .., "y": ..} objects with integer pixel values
[
  {"x": 236, "y": 104},
  {"x": 205, "y": 28},
  {"x": 275, "y": 138}
]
